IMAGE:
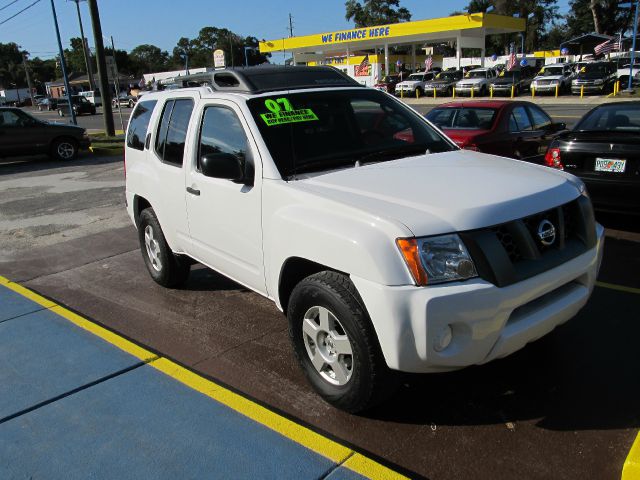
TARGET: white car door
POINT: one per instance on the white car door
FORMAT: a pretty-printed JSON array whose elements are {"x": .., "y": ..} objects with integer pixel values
[
  {"x": 167, "y": 150},
  {"x": 225, "y": 217}
]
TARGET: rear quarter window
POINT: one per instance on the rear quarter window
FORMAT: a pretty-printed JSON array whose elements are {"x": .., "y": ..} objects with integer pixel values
[{"x": 139, "y": 123}]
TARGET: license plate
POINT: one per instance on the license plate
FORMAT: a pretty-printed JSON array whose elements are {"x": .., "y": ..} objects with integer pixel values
[{"x": 610, "y": 165}]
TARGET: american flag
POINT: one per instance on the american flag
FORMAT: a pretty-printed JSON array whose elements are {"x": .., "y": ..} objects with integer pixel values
[
  {"x": 428, "y": 63},
  {"x": 362, "y": 70},
  {"x": 512, "y": 61},
  {"x": 606, "y": 47}
]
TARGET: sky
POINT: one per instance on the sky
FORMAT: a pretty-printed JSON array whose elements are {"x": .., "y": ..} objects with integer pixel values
[{"x": 163, "y": 22}]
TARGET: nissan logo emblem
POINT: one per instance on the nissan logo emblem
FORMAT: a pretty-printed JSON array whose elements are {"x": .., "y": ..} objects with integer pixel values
[{"x": 546, "y": 233}]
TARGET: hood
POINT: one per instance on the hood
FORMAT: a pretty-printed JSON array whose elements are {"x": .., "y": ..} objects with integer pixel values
[
  {"x": 409, "y": 83},
  {"x": 445, "y": 192},
  {"x": 590, "y": 76},
  {"x": 504, "y": 81},
  {"x": 473, "y": 81},
  {"x": 440, "y": 82},
  {"x": 548, "y": 77}
]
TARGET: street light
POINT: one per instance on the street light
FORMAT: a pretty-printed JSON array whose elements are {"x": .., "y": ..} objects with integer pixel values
[{"x": 633, "y": 48}]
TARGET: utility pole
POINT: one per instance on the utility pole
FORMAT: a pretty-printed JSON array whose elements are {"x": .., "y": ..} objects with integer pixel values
[
  {"x": 26, "y": 72},
  {"x": 116, "y": 80},
  {"x": 107, "y": 112},
  {"x": 63, "y": 66},
  {"x": 85, "y": 49},
  {"x": 293, "y": 55}
]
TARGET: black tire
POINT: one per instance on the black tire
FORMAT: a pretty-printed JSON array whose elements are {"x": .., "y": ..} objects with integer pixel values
[
  {"x": 169, "y": 270},
  {"x": 483, "y": 91},
  {"x": 369, "y": 381},
  {"x": 64, "y": 149}
]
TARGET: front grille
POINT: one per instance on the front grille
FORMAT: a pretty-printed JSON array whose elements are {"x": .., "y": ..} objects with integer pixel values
[
  {"x": 544, "y": 82},
  {"x": 519, "y": 249}
]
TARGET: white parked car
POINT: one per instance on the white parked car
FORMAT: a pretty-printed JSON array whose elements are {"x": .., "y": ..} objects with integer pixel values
[
  {"x": 550, "y": 76},
  {"x": 476, "y": 80},
  {"x": 388, "y": 247},
  {"x": 414, "y": 84}
]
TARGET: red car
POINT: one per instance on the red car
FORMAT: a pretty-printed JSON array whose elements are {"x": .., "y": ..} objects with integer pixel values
[
  {"x": 388, "y": 83},
  {"x": 518, "y": 129}
]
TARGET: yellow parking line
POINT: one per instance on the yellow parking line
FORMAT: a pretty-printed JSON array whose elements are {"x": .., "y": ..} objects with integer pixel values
[
  {"x": 620, "y": 288},
  {"x": 631, "y": 469},
  {"x": 300, "y": 434}
]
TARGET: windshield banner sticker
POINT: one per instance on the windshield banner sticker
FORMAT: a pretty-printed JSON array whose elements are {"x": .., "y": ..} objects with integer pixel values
[{"x": 288, "y": 115}]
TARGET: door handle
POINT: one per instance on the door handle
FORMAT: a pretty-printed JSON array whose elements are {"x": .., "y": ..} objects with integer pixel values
[{"x": 193, "y": 191}]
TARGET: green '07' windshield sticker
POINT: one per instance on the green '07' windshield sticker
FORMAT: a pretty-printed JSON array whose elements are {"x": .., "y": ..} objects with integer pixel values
[{"x": 278, "y": 116}]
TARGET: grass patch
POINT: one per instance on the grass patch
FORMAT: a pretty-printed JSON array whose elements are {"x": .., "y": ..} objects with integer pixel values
[{"x": 101, "y": 144}]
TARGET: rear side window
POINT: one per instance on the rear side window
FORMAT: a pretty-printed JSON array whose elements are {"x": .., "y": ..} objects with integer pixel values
[
  {"x": 138, "y": 124},
  {"x": 540, "y": 119},
  {"x": 519, "y": 120},
  {"x": 172, "y": 131}
]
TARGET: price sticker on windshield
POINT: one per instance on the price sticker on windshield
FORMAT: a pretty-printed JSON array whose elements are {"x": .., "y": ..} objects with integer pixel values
[{"x": 282, "y": 112}]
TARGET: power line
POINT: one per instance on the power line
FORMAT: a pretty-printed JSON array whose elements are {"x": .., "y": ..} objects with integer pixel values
[
  {"x": 8, "y": 5},
  {"x": 15, "y": 15}
]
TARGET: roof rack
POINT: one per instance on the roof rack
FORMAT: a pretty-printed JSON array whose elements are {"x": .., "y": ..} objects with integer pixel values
[{"x": 262, "y": 79}]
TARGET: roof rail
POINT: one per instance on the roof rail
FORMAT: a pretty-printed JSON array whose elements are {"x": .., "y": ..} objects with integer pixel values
[{"x": 262, "y": 79}]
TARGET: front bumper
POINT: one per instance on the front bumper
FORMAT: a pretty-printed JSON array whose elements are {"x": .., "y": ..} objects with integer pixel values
[
  {"x": 548, "y": 88},
  {"x": 487, "y": 322},
  {"x": 587, "y": 88}
]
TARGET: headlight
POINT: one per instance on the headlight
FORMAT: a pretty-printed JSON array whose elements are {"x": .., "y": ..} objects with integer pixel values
[
  {"x": 598, "y": 82},
  {"x": 438, "y": 259}
]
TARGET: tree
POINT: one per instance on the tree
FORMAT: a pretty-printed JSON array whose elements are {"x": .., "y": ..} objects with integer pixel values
[
  {"x": 148, "y": 58},
  {"x": 75, "y": 56},
  {"x": 370, "y": 13},
  {"x": 543, "y": 15},
  {"x": 600, "y": 16},
  {"x": 11, "y": 71}
]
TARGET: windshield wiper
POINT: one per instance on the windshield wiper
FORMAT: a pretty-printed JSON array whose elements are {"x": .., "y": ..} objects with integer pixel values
[
  {"x": 323, "y": 164},
  {"x": 394, "y": 153}
]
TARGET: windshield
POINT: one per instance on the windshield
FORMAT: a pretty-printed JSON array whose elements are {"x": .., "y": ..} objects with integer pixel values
[
  {"x": 477, "y": 74},
  {"x": 552, "y": 71},
  {"x": 390, "y": 79},
  {"x": 463, "y": 118},
  {"x": 594, "y": 68},
  {"x": 612, "y": 118},
  {"x": 416, "y": 77},
  {"x": 449, "y": 76},
  {"x": 315, "y": 131}
]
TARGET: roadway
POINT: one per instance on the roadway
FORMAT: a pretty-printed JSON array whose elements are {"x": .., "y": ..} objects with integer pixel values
[{"x": 564, "y": 407}]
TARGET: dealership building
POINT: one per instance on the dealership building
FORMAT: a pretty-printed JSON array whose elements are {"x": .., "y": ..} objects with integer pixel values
[{"x": 368, "y": 54}]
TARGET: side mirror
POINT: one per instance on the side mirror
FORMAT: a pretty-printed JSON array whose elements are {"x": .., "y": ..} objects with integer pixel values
[
  {"x": 223, "y": 165},
  {"x": 558, "y": 127}
]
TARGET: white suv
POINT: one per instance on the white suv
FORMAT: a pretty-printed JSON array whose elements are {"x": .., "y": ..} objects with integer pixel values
[{"x": 388, "y": 247}]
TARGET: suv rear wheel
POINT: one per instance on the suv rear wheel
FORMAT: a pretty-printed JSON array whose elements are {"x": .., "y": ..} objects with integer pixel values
[
  {"x": 335, "y": 344},
  {"x": 166, "y": 268}
]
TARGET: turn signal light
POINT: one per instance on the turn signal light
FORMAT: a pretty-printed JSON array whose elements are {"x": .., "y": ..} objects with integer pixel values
[
  {"x": 409, "y": 249},
  {"x": 552, "y": 159}
]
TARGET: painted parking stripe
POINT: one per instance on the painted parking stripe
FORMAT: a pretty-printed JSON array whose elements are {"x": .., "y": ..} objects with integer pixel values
[
  {"x": 631, "y": 469},
  {"x": 342, "y": 455},
  {"x": 620, "y": 288}
]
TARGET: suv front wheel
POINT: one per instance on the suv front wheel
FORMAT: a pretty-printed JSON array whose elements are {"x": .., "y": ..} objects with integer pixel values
[
  {"x": 334, "y": 342},
  {"x": 166, "y": 268}
]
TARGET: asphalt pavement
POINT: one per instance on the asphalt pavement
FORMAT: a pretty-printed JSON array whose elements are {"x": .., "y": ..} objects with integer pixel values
[{"x": 564, "y": 407}]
